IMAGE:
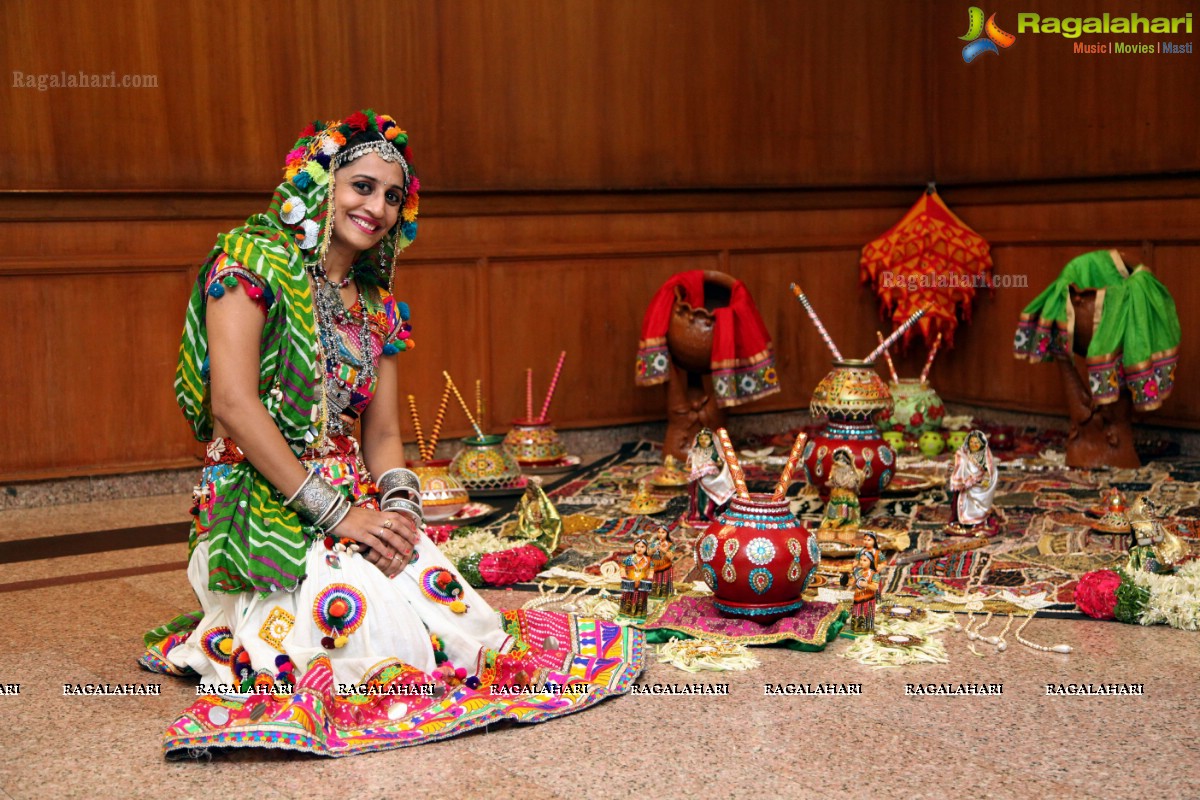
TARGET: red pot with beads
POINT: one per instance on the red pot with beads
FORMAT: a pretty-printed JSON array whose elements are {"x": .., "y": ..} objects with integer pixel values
[
  {"x": 758, "y": 559},
  {"x": 850, "y": 397}
]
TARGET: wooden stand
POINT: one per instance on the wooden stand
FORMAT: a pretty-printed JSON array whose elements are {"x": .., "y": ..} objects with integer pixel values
[
  {"x": 691, "y": 403},
  {"x": 1100, "y": 435}
]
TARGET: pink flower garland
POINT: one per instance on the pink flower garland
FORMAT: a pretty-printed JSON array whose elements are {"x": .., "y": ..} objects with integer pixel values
[
  {"x": 1096, "y": 593},
  {"x": 515, "y": 565}
]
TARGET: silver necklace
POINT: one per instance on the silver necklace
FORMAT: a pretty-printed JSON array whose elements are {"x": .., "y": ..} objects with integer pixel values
[{"x": 330, "y": 311}]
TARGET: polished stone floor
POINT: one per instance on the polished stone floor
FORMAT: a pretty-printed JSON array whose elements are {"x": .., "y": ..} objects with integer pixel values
[{"x": 79, "y": 617}]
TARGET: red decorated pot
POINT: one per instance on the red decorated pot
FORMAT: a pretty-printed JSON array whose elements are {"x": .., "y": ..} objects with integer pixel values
[{"x": 757, "y": 558}]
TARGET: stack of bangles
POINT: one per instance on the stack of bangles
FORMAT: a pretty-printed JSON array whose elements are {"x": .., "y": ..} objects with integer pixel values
[
  {"x": 400, "y": 491},
  {"x": 323, "y": 507}
]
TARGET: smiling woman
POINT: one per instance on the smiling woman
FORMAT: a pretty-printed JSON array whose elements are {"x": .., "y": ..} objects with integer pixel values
[{"x": 309, "y": 555}]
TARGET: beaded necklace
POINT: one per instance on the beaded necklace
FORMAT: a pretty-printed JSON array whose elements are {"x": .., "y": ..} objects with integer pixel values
[{"x": 339, "y": 387}]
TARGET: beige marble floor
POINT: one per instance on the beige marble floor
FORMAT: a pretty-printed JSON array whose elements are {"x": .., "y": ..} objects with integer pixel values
[{"x": 880, "y": 744}]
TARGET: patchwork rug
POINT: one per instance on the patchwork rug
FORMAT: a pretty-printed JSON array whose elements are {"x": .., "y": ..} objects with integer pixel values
[{"x": 1045, "y": 541}]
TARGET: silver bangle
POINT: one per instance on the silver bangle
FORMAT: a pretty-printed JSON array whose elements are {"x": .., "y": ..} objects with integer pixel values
[
  {"x": 399, "y": 479},
  {"x": 338, "y": 515},
  {"x": 402, "y": 506},
  {"x": 308, "y": 476},
  {"x": 329, "y": 511},
  {"x": 314, "y": 500}
]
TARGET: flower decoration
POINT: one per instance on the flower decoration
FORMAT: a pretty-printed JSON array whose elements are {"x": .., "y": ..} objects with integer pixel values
[
  {"x": 293, "y": 210},
  {"x": 309, "y": 234}
]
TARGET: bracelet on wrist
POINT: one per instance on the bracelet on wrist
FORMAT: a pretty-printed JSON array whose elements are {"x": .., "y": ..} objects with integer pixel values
[{"x": 399, "y": 480}]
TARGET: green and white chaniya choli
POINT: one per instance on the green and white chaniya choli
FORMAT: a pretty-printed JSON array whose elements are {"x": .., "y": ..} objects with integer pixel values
[{"x": 300, "y": 642}]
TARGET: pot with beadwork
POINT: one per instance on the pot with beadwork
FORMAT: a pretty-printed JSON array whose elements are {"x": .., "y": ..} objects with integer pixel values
[
  {"x": 485, "y": 463},
  {"x": 758, "y": 559},
  {"x": 535, "y": 443}
]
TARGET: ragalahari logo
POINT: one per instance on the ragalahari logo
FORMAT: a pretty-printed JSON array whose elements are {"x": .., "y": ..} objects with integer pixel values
[{"x": 995, "y": 37}]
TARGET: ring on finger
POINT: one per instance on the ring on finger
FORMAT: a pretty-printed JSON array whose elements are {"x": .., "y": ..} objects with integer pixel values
[{"x": 388, "y": 524}]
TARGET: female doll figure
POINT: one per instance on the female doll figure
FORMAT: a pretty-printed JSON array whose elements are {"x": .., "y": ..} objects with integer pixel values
[
  {"x": 972, "y": 486},
  {"x": 636, "y": 571},
  {"x": 308, "y": 554},
  {"x": 710, "y": 485},
  {"x": 842, "y": 510},
  {"x": 864, "y": 582},
  {"x": 662, "y": 555},
  {"x": 1155, "y": 549}
]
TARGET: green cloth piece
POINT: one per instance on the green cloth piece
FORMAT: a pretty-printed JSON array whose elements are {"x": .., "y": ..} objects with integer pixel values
[
  {"x": 664, "y": 635},
  {"x": 1137, "y": 334},
  {"x": 184, "y": 623}
]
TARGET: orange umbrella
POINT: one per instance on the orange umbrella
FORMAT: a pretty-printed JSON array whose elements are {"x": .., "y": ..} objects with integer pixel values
[{"x": 929, "y": 259}]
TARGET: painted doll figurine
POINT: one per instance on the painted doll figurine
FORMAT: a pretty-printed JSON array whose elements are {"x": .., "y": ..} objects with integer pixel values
[
  {"x": 662, "y": 556},
  {"x": 842, "y": 510},
  {"x": 710, "y": 486},
  {"x": 864, "y": 582},
  {"x": 636, "y": 571},
  {"x": 972, "y": 487},
  {"x": 1154, "y": 548}
]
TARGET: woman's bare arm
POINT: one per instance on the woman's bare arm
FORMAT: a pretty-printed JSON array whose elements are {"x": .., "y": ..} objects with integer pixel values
[{"x": 235, "y": 326}]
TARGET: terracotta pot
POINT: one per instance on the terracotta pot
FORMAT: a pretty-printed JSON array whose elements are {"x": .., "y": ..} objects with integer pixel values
[
  {"x": 850, "y": 397},
  {"x": 757, "y": 558},
  {"x": 916, "y": 408},
  {"x": 484, "y": 463},
  {"x": 534, "y": 443},
  {"x": 442, "y": 495}
]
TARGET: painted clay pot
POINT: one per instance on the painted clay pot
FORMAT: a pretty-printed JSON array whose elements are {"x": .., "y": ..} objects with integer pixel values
[
  {"x": 758, "y": 559},
  {"x": 442, "y": 495},
  {"x": 931, "y": 444},
  {"x": 916, "y": 408},
  {"x": 534, "y": 443},
  {"x": 894, "y": 439},
  {"x": 955, "y": 439},
  {"x": 484, "y": 463},
  {"x": 850, "y": 397}
]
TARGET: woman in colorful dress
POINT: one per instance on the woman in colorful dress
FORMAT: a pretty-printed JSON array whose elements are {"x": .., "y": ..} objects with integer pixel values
[
  {"x": 710, "y": 485},
  {"x": 330, "y": 623},
  {"x": 843, "y": 510},
  {"x": 662, "y": 555},
  {"x": 636, "y": 579}
]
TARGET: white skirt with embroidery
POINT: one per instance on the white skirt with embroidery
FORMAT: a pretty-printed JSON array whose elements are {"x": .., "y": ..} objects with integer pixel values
[{"x": 345, "y": 608}]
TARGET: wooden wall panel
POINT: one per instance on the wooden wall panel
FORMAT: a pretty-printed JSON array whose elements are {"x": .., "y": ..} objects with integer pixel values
[
  {"x": 590, "y": 307},
  {"x": 450, "y": 322},
  {"x": 1040, "y": 111},
  {"x": 88, "y": 364},
  {"x": 574, "y": 153},
  {"x": 540, "y": 94}
]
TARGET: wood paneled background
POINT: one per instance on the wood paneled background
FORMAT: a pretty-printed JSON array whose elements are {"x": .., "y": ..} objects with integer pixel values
[{"x": 573, "y": 154}]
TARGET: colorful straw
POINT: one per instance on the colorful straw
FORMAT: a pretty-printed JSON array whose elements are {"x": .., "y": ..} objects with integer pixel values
[
  {"x": 437, "y": 422},
  {"x": 929, "y": 361},
  {"x": 416, "y": 421},
  {"x": 896, "y": 334},
  {"x": 785, "y": 479},
  {"x": 731, "y": 460},
  {"x": 553, "y": 385},
  {"x": 529, "y": 394},
  {"x": 888, "y": 355},
  {"x": 466, "y": 409},
  {"x": 817, "y": 321}
]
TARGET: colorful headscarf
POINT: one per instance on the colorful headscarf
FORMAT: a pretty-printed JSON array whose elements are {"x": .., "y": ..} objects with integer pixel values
[
  {"x": 254, "y": 541},
  {"x": 1136, "y": 338}
]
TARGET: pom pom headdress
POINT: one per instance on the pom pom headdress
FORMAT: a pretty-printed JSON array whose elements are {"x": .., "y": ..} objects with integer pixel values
[{"x": 303, "y": 202}]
